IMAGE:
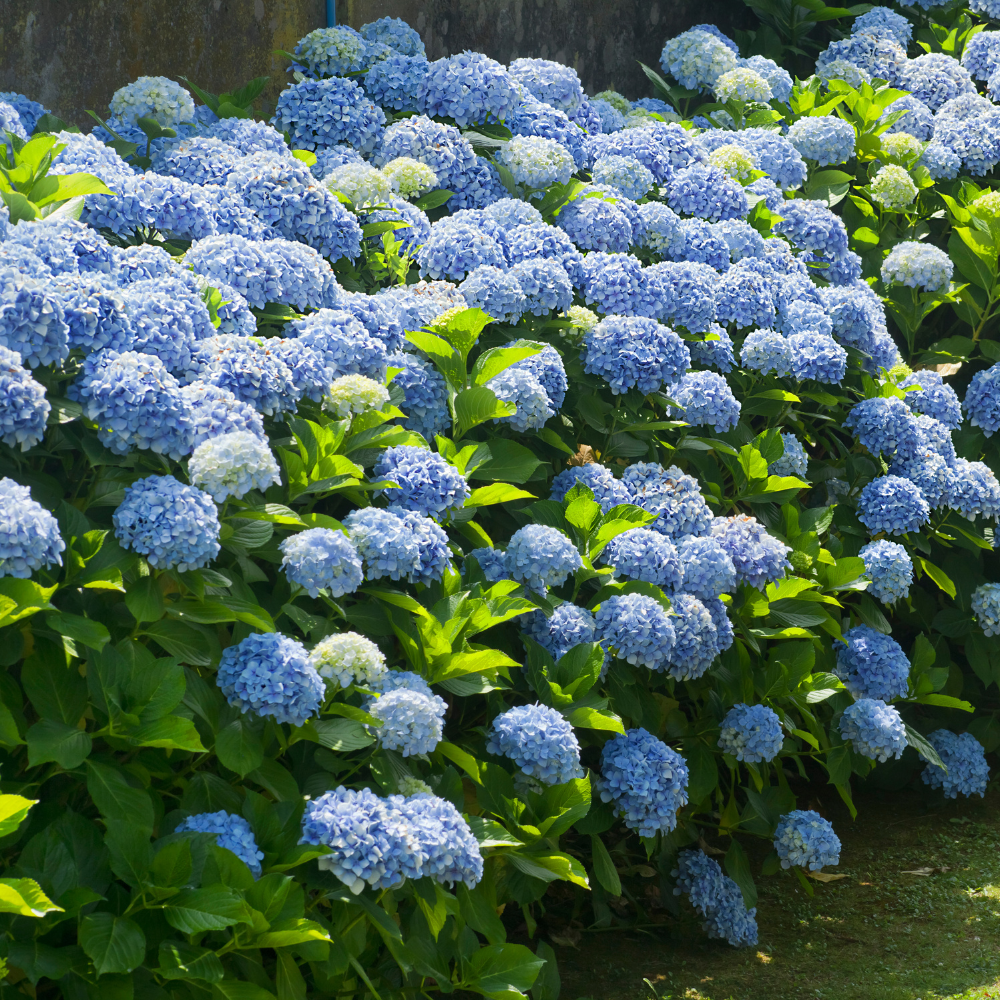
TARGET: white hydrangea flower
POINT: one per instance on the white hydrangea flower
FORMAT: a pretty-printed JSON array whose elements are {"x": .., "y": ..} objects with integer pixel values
[
  {"x": 918, "y": 265},
  {"x": 841, "y": 69},
  {"x": 893, "y": 187},
  {"x": 351, "y": 394},
  {"x": 583, "y": 319},
  {"x": 736, "y": 161},
  {"x": 537, "y": 162},
  {"x": 901, "y": 145},
  {"x": 409, "y": 177},
  {"x": 231, "y": 465},
  {"x": 987, "y": 206},
  {"x": 347, "y": 658},
  {"x": 742, "y": 84},
  {"x": 153, "y": 97},
  {"x": 408, "y": 785},
  {"x": 360, "y": 182}
]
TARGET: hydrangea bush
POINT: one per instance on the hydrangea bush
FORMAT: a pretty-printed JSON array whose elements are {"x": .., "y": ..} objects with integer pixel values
[{"x": 396, "y": 522}]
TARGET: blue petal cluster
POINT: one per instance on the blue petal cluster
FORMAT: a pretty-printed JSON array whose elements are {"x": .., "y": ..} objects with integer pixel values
[
  {"x": 708, "y": 570},
  {"x": 893, "y": 505},
  {"x": 539, "y": 557},
  {"x": 539, "y": 741},
  {"x": 716, "y": 897},
  {"x": 412, "y": 721},
  {"x": 889, "y": 567},
  {"x": 425, "y": 481},
  {"x": 231, "y": 832},
  {"x": 425, "y": 397},
  {"x": 642, "y": 554},
  {"x": 468, "y": 88},
  {"x": 29, "y": 534},
  {"x": 874, "y": 729},
  {"x": 872, "y": 665},
  {"x": 24, "y": 409},
  {"x": 675, "y": 497},
  {"x": 706, "y": 192},
  {"x": 704, "y": 398},
  {"x": 321, "y": 559},
  {"x": 608, "y": 491},
  {"x": 759, "y": 558},
  {"x": 398, "y": 544},
  {"x": 986, "y": 607},
  {"x": 233, "y": 462},
  {"x": 805, "y": 840},
  {"x": 964, "y": 757},
  {"x": 636, "y": 628},
  {"x": 632, "y": 351},
  {"x": 751, "y": 733},
  {"x": 566, "y": 627}
]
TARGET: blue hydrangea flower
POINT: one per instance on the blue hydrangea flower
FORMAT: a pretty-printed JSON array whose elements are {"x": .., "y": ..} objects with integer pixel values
[
  {"x": 322, "y": 113},
  {"x": 875, "y": 52},
  {"x": 453, "y": 250},
  {"x": 675, "y": 497},
  {"x": 32, "y": 321},
  {"x": 167, "y": 322},
  {"x": 980, "y": 56},
  {"x": 661, "y": 227},
  {"x": 412, "y": 721},
  {"x": 885, "y": 426},
  {"x": 425, "y": 394},
  {"x": 394, "y": 32},
  {"x": 716, "y": 352},
  {"x": 24, "y": 409},
  {"x": 636, "y": 628},
  {"x": 153, "y": 97},
  {"x": 509, "y": 213},
  {"x": 452, "y": 852},
  {"x": 345, "y": 344},
  {"x": 197, "y": 159},
  {"x": 393, "y": 82},
  {"x": 935, "y": 78},
  {"x": 614, "y": 282},
  {"x": 320, "y": 558},
  {"x": 398, "y": 544},
  {"x": 612, "y": 120},
  {"x": 964, "y": 757},
  {"x": 884, "y": 19},
  {"x": 65, "y": 245},
  {"x": 547, "y": 366},
  {"x": 369, "y": 842},
  {"x": 608, "y": 491},
  {"x": 717, "y": 898},
  {"x": 522, "y": 388},
  {"x": 594, "y": 223},
  {"x": 744, "y": 242},
  {"x": 539, "y": 741},
  {"x": 986, "y": 607},
  {"x": 778, "y": 79},
  {"x": 765, "y": 189},
  {"x": 232, "y": 832},
  {"x": 872, "y": 665},
  {"x": 88, "y": 155},
  {"x": 491, "y": 561},
  {"x": 817, "y": 356},
  {"x": 918, "y": 120},
  {"x": 982, "y": 400},
  {"x": 810, "y": 225},
  {"x": 540, "y": 557},
  {"x": 893, "y": 505},
  {"x": 935, "y": 437},
  {"x": 551, "y": 82},
  {"x": 232, "y": 463},
  {"x": 751, "y": 733},
  {"x": 29, "y": 534},
  {"x": 794, "y": 460},
  {"x": 545, "y": 285},
  {"x": 697, "y": 58},
  {"x": 642, "y": 554},
  {"x": 874, "y": 729},
  {"x": 707, "y": 568},
  {"x": 346, "y": 658},
  {"x": 696, "y": 641},
  {"x": 533, "y": 118},
  {"x": 526, "y": 242},
  {"x": 704, "y": 398},
  {"x": 631, "y": 351},
  {"x": 172, "y": 525},
  {"x": 248, "y": 369},
  {"x": 646, "y": 780},
  {"x": 707, "y": 193},
  {"x": 824, "y": 139},
  {"x": 973, "y": 489},
  {"x": 380, "y": 316},
  {"x": 135, "y": 402},
  {"x": 890, "y": 569},
  {"x": 497, "y": 293},
  {"x": 329, "y": 159},
  {"x": 626, "y": 174},
  {"x": 334, "y": 51},
  {"x": 95, "y": 314},
  {"x": 698, "y": 241},
  {"x": 536, "y": 162},
  {"x": 28, "y": 111},
  {"x": 468, "y": 88},
  {"x": 759, "y": 558},
  {"x": 425, "y": 481},
  {"x": 687, "y": 293},
  {"x": 270, "y": 675},
  {"x": 567, "y": 626},
  {"x": 805, "y": 840}
]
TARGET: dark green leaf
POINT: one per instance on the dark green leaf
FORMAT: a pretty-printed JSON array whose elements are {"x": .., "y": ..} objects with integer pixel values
[{"x": 114, "y": 944}]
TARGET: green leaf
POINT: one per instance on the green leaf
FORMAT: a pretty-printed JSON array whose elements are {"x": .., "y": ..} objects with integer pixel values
[
  {"x": 938, "y": 576},
  {"x": 62, "y": 187},
  {"x": 738, "y": 869},
  {"x": 485, "y": 496},
  {"x": 239, "y": 747},
  {"x": 291, "y": 932},
  {"x": 231, "y": 989},
  {"x": 502, "y": 971},
  {"x": 116, "y": 799},
  {"x": 477, "y": 405},
  {"x": 28, "y": 597},
  {"x": 145, "y": 600},
  {"x": 194, "y": 910},
  {"x": 169, "y": 731},
  {"x": 180, "y": 960},
  {"x": 596, "y": 718},
  {"x": 92, "y": 634},
  {"x": 13, "y": 809},
  {"x": 510, "y": 463},
  {"x": 342, "y": 735},
  {"x": 497, "y": 359},
  {"x": 113, "y": 944},
  {"x": 604, "y": 867},
  {"x": 188, "y": 644},
  {"x": 25, "y": 897},
  {"x": 944, "y": 701},
  {"x": 924, "y": 747},
  {"x": 52, "y": 740},
  {"x": 433, "y": 199}
]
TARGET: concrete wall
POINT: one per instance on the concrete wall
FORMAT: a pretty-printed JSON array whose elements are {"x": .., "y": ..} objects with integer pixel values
[{"x": 73, "y": 54}]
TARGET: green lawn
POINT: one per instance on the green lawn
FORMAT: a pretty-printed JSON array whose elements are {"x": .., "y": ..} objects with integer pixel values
[{"x": 878, "y": 934}]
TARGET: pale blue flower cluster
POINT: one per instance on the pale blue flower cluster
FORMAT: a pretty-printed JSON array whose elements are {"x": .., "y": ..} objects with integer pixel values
[
  {"x": 24, "y": 409},
  {"x": 642, "y": 554},
  {"x": 608, "y": 491},
  {"x": 526, "y": 242},
  {"x": 28, "y": 111},
  {"x": 794, "y": 460},
  {"x": 637, "y": 629},
  {"x": 827, "y": 139},
  {"x": 716, "y": 352},
  {"x": 539, "y": 557},
  {"x": 982, "y": 400},
  {"x": 394, "y": 32},
  {"x": 889, "y": 567},
  {"x": 632, "y": 351},
  {"x": 468, "y": 88},
  {"x": 539, "y": 741},
  {"x": 918, "y": 265},
  {"x": 885, "y": 19},
  {"x": 29, "y": 534},
  {"x": 593, "y": 223},
  {"x": 963, "y": 755},
  {"x": 455, "y": 249},
  {"x": 393, "y": 82},
  {"x": 345, "y": 344},
  {"x": 986, "y": 607},
  {"x": 918, "y": 120},
  {"x": 566, "y": 627},
  {"x": 232, "y": 832},
  {"x": 545, "y": 285},
  {"x": 270, "y": 675},
  {"x": 346, "y": 658},
  {"x": 32, "y": 320},
  {"x": 675, "y": 497},
  {"x": 759, "y": 558},
  {"x": 624, "y": 173},
  {"x": 646, "y": 781},
  {"x": 708, "y": 569},
  {"x": 803, "y": 839},
  {"x": 425, "y": 482},
  {"x": 153, "y": 97},
  {"x": 250, "y": 370},
  {"x": 231, "y": 463},
  {"x": 885, "y": 426},
  {"x": 696, "y": 642},
  {"x": 174, "y": 526},
  {"x": 697, "y": 58},
  {"x": 425, "y": 395},
  {"x": 687, "y": 293},
  {"x": 323, "y": 113},
  {"x": 704, "y": 398},
  {"x": 893, "y": 505},
  {"x": 536, "y": 162},
  {"x": 450, "y": 849},
  {"x": 872, "y": 665},
  {"x": 973, "y": 489},
  {"x": 980, "y": 56},
  {"x": 874, "y": 729},
  {"x": 935, "y": 78},
  {"x": 334, "y": 51},
  {"x": 751, "y": 733},
  {"x": 551, "y": 82},
  {"x": 520, "y": 387},
  {"x": 412, "y": 720},
  {"x": 321, "y": 559},
  {"x": 706, "y": 192},
  {"x": 717, "y": 898},
  {"x": 398, "y": 544}
]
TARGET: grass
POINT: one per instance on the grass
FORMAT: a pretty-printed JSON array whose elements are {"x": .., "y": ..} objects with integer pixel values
[{"x": 879, "y": 934}]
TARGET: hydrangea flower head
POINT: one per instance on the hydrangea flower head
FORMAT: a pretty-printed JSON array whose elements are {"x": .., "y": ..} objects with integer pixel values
[
  {"x": 425, "y": 395},
  {"x": 716, "y": 352},
  {"x": 623, "y": 173},
  {"x": 596, "y": 224},
  {"x": 707, "y": 193},
  {"x": 32, "y": 319},
  {"x": 889, "y": 567},
  {"x": 973, "y": 489},
  {"x": 734, "y": 160},
  {"x": 964, "y": 757},
  {"x": 893, "y": 188},
  {"x": 153, "y": 97},
  {"x": 935, "y": 78},
  {"x": 524, "y": 389},
  {"x": 918, "y": 120},
  {"x": 704, "y": 398},
  {"x": 539, "y": 741},
  {"x": 874, "y": 728},
  {"x": 321, "y": 113},
  {"x": 742, "y": 84},
  {"x": 631, "y": 351},
  {"x": 549, "y": 81},
  {"x": 539, "y": 557},
  {"x": 823, "y": 139},
  {"x": 412, "y": 721},
  {"x": 645, "y": 779},
  {"x": 346, "y": 658},
  {"x": 174, "y": 526},
  {"x": 394, "y": 32},
  {"x": 642, "y": 554},
  {"x": 804, "y": 839},
  {"x": 986, "y": 607},
  {"x": 232, "y": 464},
  {"x": 885, "y": 19},
  {"x": 451, "y": 851},
  {"x": 408, "y": 177},
  {"x": 455, "y": 249},
  {"x": 872, "y": 665},
  {"x": 425, "y": 481},
  {"x": 29, "y": 534},
  {"x": 637, "y": 629},
  {"x": 232, "y": 832},
  {"x": 893, "y": 505},
  {"x": 536, "y": 162},
  {"x": 24, "y": 409},
  {"x": 608, "y": 491},
  {"x": 794, "y": 460},
  {"x": 751, "y": 733},
  {"x": 707, "y": 568},
  {"x": 717, "y": 898},
  {"x": 696, "y": 59},
  {"x": 393, "y": 82},
  {"x": 696, "y": 642},
  {"x": 333, "y": 51},
  {"x": 270, "y": 675},
  {"x": 885, "y": 426},
  {"x": 363, "y": 184},
  {"x": 933, "y": 397},
  {"x": 545, "y": 285},
  {"x": 759, "y": 558},
  {"x": 468, "y": 88},
  {"x": 675, "y": 497},
  {"x": 321, "y": 559},
  {"x": 568, "y": 626},
  {"x": 353, "y": 394}
]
